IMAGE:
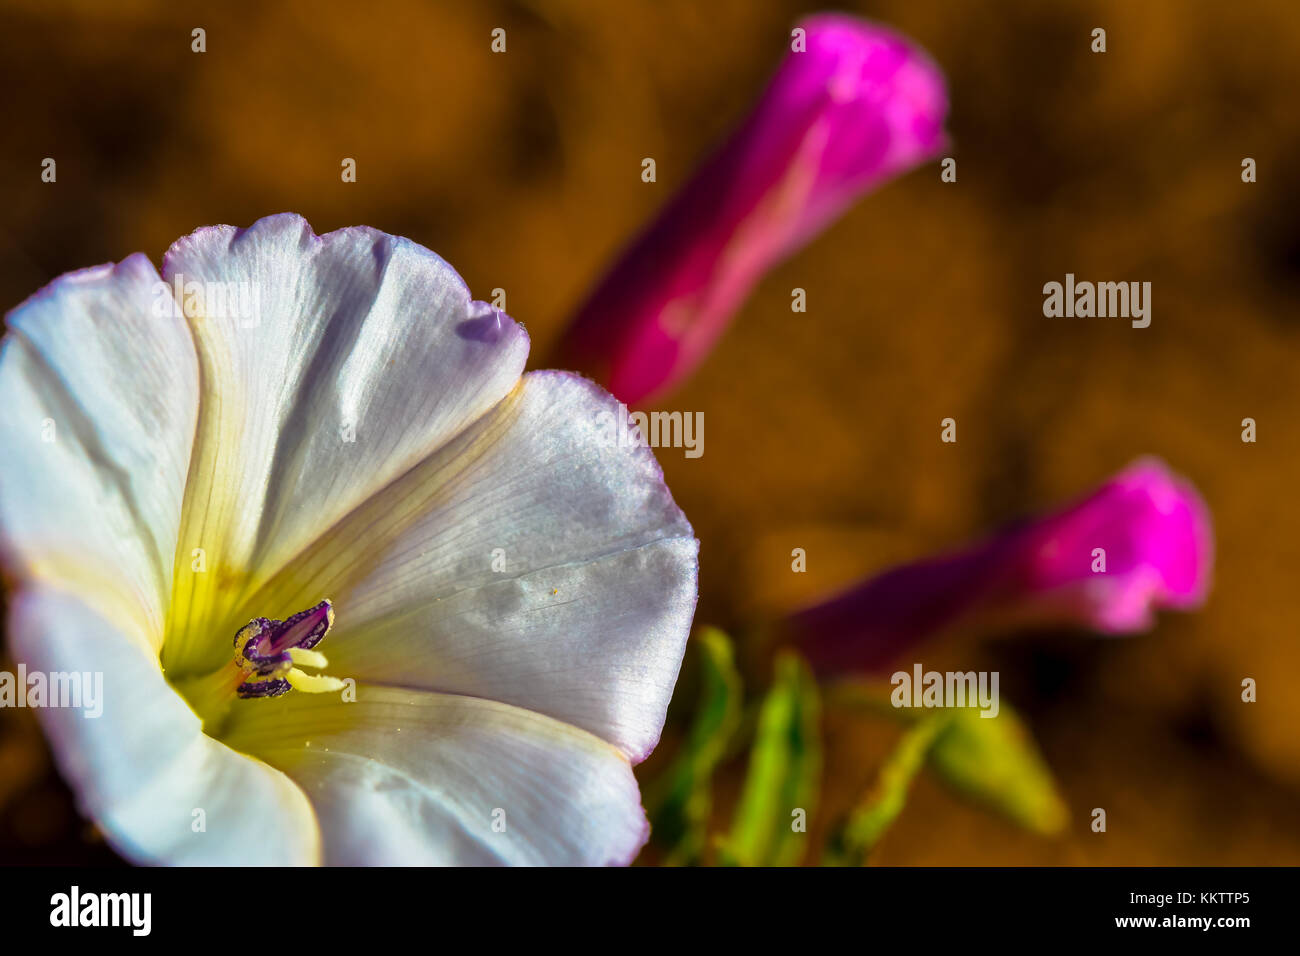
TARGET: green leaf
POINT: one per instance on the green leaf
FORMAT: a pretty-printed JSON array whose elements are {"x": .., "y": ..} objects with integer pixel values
[
  {"x": 681, "y": 799},
  {"x": 994, "y": 760},
  {"x": 781, "y": 785},
  {"x": 853, "y": 842}
]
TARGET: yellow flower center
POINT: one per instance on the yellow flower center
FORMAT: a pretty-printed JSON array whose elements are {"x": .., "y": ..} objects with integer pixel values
[{"x": 268, "y": 661}]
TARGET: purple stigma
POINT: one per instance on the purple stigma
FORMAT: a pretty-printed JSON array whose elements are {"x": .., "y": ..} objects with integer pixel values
[
  {"x": 271, "y": 687},
  {"x": 305, "y": 629},
  {"x": 262, "y": 648}
]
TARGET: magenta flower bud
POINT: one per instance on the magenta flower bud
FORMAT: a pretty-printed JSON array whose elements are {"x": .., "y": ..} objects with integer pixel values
[
  {"x": 1141, "y": 541},
  {"x": 852, "y": 105}
]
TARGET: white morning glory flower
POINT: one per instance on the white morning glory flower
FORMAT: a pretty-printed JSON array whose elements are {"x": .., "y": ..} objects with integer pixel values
[{"x": 360, "y": 590}]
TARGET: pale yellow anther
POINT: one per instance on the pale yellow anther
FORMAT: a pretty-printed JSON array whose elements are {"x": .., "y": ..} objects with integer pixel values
[
  {"x": 312, "y": 683},
  {"x": 305, "y": 658}
]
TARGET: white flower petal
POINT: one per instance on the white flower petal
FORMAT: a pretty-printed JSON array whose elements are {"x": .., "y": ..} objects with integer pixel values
[
  {"x": 98, "y": 398},
  {"x": 143, "y": 766},
  {"x": 531, "y": 561},
  {"x": 412, "y": 778},
  {"x": 364, "y": 354}
]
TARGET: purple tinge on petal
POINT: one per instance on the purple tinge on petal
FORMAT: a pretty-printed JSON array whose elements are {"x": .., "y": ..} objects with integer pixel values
[
  {"x": 487, "y": 328},
  {"x": 1141, "y": 541},
  {"x": 859, "y": 105}
]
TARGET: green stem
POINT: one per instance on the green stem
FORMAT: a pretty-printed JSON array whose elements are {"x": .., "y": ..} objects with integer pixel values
[{"x": 858, "y": 836}]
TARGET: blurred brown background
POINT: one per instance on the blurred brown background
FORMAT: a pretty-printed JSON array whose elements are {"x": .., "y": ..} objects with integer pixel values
[{"x": 523, "y": 171}]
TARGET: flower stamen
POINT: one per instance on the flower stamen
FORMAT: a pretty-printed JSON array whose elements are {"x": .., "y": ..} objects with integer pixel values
[
  {"x": 271, "y": 654},
  {"x": 312, "y": 683},
  {"x": 305, "y": 658}
]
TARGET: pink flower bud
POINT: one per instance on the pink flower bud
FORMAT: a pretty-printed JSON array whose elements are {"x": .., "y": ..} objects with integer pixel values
[
  {"x": 851, "y": 106},
  {"x": 1141, "y": 541}
]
